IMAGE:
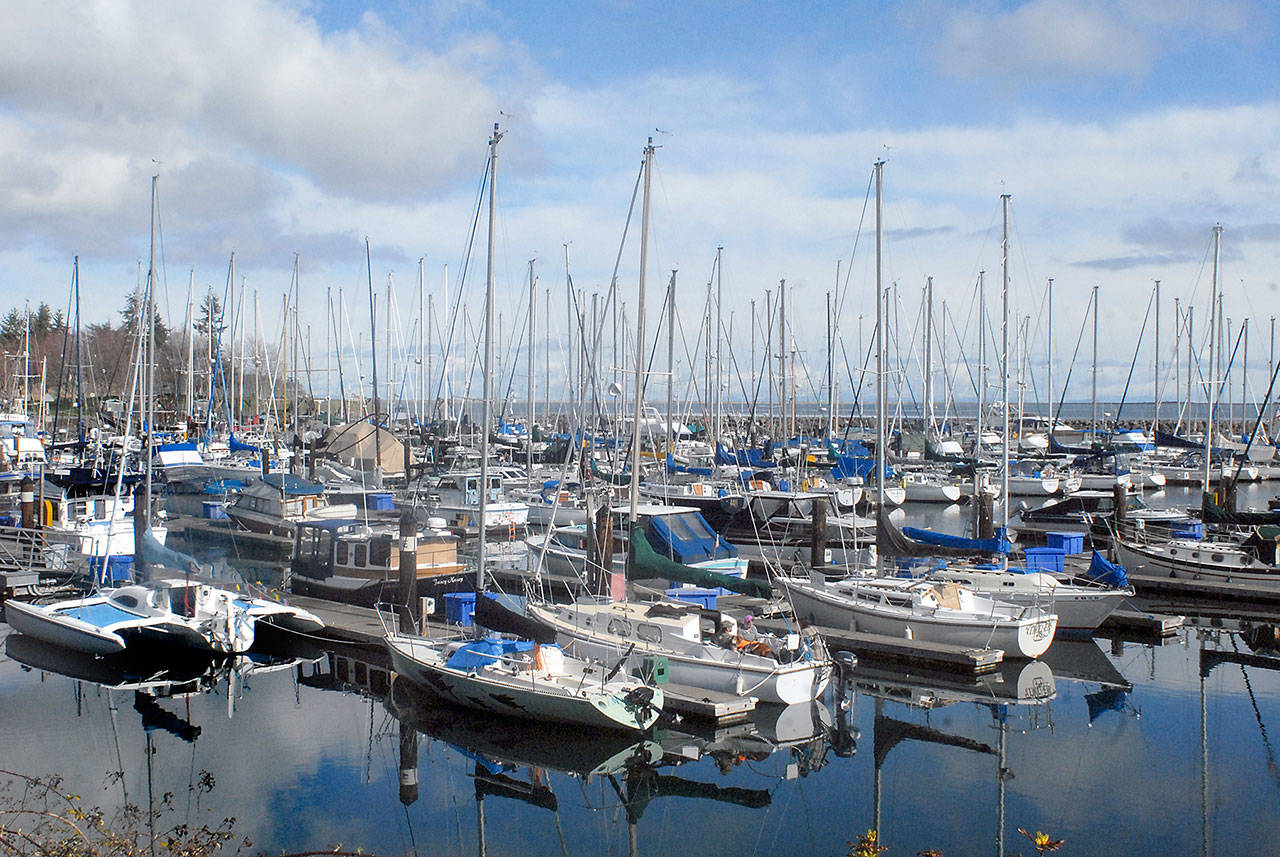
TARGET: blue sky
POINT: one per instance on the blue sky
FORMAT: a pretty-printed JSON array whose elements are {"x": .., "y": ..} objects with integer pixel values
[{"x": 1124, "y": 130}]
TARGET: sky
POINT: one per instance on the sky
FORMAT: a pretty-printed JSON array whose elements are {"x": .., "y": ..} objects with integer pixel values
[{"x": 1123, "y": 131}]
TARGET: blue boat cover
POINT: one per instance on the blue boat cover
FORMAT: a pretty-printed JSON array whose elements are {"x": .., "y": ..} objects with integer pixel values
[
  {"x": 744, "y": 458},
  {"x": 482, "y": 653},
  {"x": 1103, "y": 571},
  {"x": 673, "y": 467},
  {"x": 929, "y": 537},
  {"x": 688, "y": 538},
  {"x": 236, "y": 445},
  {"x": 294, "y": 486}
]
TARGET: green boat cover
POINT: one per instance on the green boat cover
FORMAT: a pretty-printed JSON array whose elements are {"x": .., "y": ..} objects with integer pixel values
[{"x": 643, "y": 562}]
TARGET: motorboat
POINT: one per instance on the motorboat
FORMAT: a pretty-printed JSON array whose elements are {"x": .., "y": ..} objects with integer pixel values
[
  {"x": 169, "y": 611},
  {"x": 276, "y": 502},
  {"x": 353, "y": 561}
]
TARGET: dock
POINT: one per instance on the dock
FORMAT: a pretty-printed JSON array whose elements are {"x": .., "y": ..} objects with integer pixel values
[
  {"x": 1207, "y": 590},
  {"x": 1145, "y": 624},
  {"x": 227, "y": 532},
  {"x": 878, "y": 647}
]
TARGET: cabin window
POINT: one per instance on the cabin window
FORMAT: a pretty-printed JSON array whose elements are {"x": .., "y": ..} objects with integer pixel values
[
  {"x": 380, "y": 552},
  {"x": 649, "y": 633},
  {"x": 1217, "y": 557},
  {"x": 126, "y": 600},
  {"x": 1173, "y": 552},
  {"x": 361, "y": 555},
  {"x": 343, "y": 553},
  {"x": 100, "y": 509},
  {"x": 620, "y": 627}
]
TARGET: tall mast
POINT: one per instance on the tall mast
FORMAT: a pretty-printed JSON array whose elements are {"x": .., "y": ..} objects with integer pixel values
[
  {"x": 671, "y": 360},
  {"x": 928, "y": 354},
  {"x": 639, "y": 403},
  {"x": 1052, "y": 400},
  {"x": 1004, "y": 359},
  {"x": 1156, "y": 363},
  {"x": 1094, "y": 395},
  {"x": 880, "y": 405},
  {"x": 982, "y": 363},
  {"x": 373, "y": 331},
  {"x": 423, "y": 321},
  {"x": 1212, "y": 391},
  {"x": 485, "y": 416},
  {"x": 719, "y": 395},
  {"x": 528, "y": 435}
]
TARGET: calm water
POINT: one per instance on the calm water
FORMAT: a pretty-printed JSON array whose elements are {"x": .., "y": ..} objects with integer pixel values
[{"x": 1118, "y": 747}]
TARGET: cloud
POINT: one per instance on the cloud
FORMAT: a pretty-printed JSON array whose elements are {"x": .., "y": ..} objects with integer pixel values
[
  {"x": 1063, "y": 40},
  {"x": 1121, "y": 263},
  {"x": 358, "y": 111}
]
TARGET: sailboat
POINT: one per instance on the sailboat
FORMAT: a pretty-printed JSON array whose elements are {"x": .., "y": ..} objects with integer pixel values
[
  {"x": 937, "y": 611},
  {"x": 530, "y": 676},
  {"x": 640, "y": 634}
]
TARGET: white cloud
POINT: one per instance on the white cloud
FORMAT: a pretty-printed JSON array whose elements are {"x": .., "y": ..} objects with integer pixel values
[{"x": 1068, "y": 39}]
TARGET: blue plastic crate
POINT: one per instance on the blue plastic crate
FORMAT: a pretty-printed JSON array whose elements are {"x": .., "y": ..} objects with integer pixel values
[
  {"x": 380, "y": 501},
  {"x": 119, "y": 569},
  {"x": 214, "y": 510},
  {"x": 1045, "y": 559},
  {"x": 1070, "y": 543},
  {"x": 695, "y": 595},
  {"x": 459, "y": 608},
  {"x": 1188, "y": 530}
]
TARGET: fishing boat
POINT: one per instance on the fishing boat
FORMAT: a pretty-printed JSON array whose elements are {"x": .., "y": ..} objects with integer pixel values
[
  {"x": 168, "y": 612},
  {"x": 275, "y": 503}
]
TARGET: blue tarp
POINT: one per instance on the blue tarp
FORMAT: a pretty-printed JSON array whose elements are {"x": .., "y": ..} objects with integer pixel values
[
  {"x": 688, "y": 538},
  {"x": 1103, "y": 571},
  {"x": 744, "y": 458},
  {"x": 848, "y": 467},
  {"x": 481, "y": 653},
  {"x": 929, "y": 537},
  {"x": 673, "y": 467},
  {"x": 236, "y": 445}
]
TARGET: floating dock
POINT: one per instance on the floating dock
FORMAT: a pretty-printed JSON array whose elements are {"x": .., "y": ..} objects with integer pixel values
[
  {"x": 1142, "y": 623},
  {"x": 1207, "y": 590}
]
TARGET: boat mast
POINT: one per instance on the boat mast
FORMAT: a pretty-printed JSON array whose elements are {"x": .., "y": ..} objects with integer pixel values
[
  {"x": 528, "y": 435},
  {"x": 1212, "y": 389},
  {"x": 982, "y": 368},
  {"x": 1094, "y": 394},
  {"x": 1051, "y": 399},
  {"x": 880, "y": 408},
  {"x": 719, "y": 402},
  {"x": 373, "y": 332},
  {"x": 1156, "y": 364},
  {"x": 672, "y": 435},
  {"x": 928, "y": 356},
  {"x": 639, "y": 403},
  {"x": 1004, "y": 361},
  {"x": 485, "y": 416}
]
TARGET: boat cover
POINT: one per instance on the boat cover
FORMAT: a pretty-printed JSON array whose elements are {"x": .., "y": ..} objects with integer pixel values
[
  {"x": 643, "y": 563},
  {"x": 482, "y": 653},
  {"x": 891, "y": 542},
  {"x": 688, "y": 538},
  {"x": 497, "y": 617},
  {"x": 1104, "y": 571},
  {"x": 753, "y": 458},
  {"x": 1176, "y": 442},
  {"x": 929, "y": 537},
  {"x": 673, "y": 467}
]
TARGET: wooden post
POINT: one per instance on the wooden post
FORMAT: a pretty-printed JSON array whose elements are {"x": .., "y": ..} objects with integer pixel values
[
  {"x": 1120, "y": 502},
  {"x": 27, "y": 497},
  {"x": 266, "y": 461},
  {"x": 818, "y": 534},
  {"x": 408, "y": 764},
  {"x": 1227, "y": 493},
  {"x": 986, "y": 515},
  {"x": 409, "y": 606}
]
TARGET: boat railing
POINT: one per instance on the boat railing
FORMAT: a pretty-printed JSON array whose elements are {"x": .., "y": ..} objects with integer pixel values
[{"x": 27, "y": 550}]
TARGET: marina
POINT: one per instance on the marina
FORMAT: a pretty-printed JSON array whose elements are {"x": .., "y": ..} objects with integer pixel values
[{"x": 817, "y": 433}]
